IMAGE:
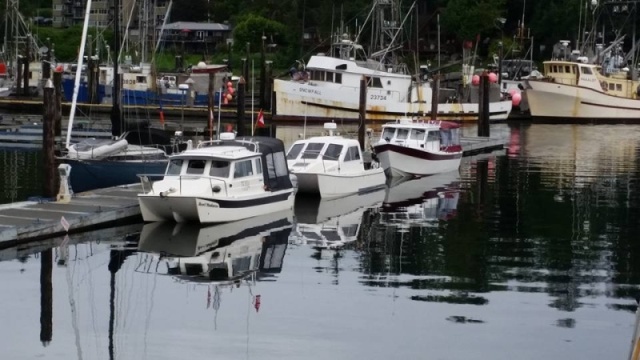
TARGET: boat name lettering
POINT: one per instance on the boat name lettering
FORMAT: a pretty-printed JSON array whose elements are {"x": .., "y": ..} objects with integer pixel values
[
  {"x": 310, "y": 91},
  {"x": 589, "y": 79},
  {"x": 129, "y": 81},
  {"x": 378, "y": 97},
  {"x": 208, "y": 204}
]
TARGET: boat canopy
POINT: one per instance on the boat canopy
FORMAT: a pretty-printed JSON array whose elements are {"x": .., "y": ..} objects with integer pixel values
[{"x": 276, "y": 174}]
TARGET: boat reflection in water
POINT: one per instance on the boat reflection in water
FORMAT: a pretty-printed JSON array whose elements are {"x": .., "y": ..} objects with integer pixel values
[
  {"x": 228, "y": 252},
  {"x": 421, "y": 201},
  {"x": 332, "y": 223}
]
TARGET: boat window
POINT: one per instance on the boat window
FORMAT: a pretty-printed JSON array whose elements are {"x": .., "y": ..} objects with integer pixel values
[
  {"x": 402, "y": 134},
  {"x": 560, "y": 69},
  {"x": 387, "y": 133},
  {"x": 328, "y": 76},
  {"x": 174, "y": 167},
  {"x": 219, "y": 168},
  {"x": 242, "y": 169},
  {"x": 196, "y": 167},
  {"x": 433, "y": 135},
  {"x": 141, "y": 79},
  {"x": 258, "y": 164},
  {"x": 294, "y": 151},
  {"x": 585, "y": 70},
  {"x": 338, "y": 78},
  {"x": 417, "y": 134},
  {"x": 271, "y": 166},
  {"x": 312, "y": 151},
  {"x": 317, "y": 75},
  {"x": 567, "y": 69},
  {"x": 554, "y": 68},
  {"x": 333, "y": 152},
  {"x": 618, "y": 87},
  {"x": 281, "y": 164},
  {"x": 353, "y": 153},
  {"x": 341, "y": 67},
  {"x": 375, "y": 82}
]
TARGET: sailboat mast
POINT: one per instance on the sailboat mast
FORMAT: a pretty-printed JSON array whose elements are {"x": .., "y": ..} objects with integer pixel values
[
  {"x": 76, "y": 85},
  {"x": 116, "y": 110}
]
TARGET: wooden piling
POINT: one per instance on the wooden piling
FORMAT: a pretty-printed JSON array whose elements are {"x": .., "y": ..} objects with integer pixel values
[
  {"x": 435, "y": 95},
  {"x": 241, "y": 97},
  {"x": 57, "y": 121},
  {"x": 19, "y": 73},
  {"x": 27, "y": 60},
  {"x": 363, "y": 111},
  {"x": 483, "y": 106},
  {"x": 48, "y": 141}
]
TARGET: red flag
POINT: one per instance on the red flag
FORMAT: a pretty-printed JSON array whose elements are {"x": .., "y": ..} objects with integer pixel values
[
  {"x": 256, "y": 303},
  {"x": 161, "y": 115},
  {"x": 260, "y": 122}
]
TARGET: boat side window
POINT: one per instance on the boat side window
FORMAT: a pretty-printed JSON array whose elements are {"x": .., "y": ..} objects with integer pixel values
[
  {"x": 219, "y": 168},
  {"x": 338, "y": 78},
  {"x": 294, "y": 151},
  {"x": 560, "y": 69},
  {"x": 554, "y": 68},
  {"x": 387, "y": 133},
  {"x": 196, "y": 167},
  {"x": 353, "y": 154},
  {"x": 258, "y": 165},
  {"x": 312, "y": 151},
  {"x": 567, "y": 69},
  {"x": 612, "y": 86},
  {"x": 174, "y": 167},
  {"x": 402, "y": 134},
  {"x": 433, "y": 135},
  {"x": 328, "y": 76},
  {"x": 141, "y": 79},
  {"x": 375, "y": 82},
  {"x": 585, "y": 70},
  {"x": 280, "y": 164},
  {"x": 417, "y": 134},
  {"x": 242, "y": 169},
  {"x": 618, "y": 87},
  {"x": 317, "y": 75},
  {"x": 333, "y": 152}
]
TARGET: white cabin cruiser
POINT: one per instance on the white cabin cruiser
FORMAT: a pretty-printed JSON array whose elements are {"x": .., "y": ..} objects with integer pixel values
[
  {"x": 332, "y": 166},
  {"x": 220, "y": 181},
  {"x": 419, "y": 148}
]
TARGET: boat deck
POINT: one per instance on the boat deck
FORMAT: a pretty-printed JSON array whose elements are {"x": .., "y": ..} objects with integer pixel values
[{"x": 33, "y": 220}]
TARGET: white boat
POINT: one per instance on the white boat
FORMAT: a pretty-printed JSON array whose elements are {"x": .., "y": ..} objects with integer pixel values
[
  {"x": 328, "y": 87},
  {"x": 418, "y": 148},
  {"x": 573, "y": 90},
  {"x": 220, "y": 181},
  {"x": 332, "y": 166}
]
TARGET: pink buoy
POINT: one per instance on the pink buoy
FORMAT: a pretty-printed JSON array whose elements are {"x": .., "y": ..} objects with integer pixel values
[
  {"x": 512, "y": 91},
  {"x": 230, "y": 90},
  {"x": 59, "y": 68},
  {"x": 229, "y": 97},
  {"x": 229, "y": 84},
  {"x": 515, "y": 99},
  {"x": 225, "y": 100},
  {"x": 493, "y": 78},
  {"x": 475, "y": 80}
]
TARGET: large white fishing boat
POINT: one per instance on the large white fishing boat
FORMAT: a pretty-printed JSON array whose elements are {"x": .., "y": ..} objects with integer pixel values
[
  {"x": 573, "y": 90},
  {"x": 332, "y": 166},
  {"x": 328, "y": 87},
  {"x": 220, "y": 181}
]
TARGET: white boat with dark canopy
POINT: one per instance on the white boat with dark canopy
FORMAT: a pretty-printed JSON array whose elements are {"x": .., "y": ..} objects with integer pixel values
[
  {"x": 332, "y": 166},
  {"x": 419, "y": 148},
  {"x": 220, "y": 181}
]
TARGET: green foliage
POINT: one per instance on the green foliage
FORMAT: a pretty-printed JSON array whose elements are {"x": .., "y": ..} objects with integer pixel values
[
  {"x": 465, "y": 19},
  {"x": 251, "y": 28},
  {"x": 66, "y": 42}
]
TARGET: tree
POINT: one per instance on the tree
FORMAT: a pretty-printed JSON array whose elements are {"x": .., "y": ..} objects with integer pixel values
[
  {"x": 465, "y": 19},
  {"x": 251, "y": 28}
]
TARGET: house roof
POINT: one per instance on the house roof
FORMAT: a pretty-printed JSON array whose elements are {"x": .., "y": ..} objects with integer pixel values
[{"x": 195, "y": 26}]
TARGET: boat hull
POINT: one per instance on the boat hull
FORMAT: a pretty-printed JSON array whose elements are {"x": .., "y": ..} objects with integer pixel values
[
  {"x": 401, "y": 161},
  {"x": 207, "y": 210},
  {"x": 549, "y": 100},
  {"x": 329, "y": 185},
  {"x": 96, "y": 174},
  {"x": 298, "y": 100}
]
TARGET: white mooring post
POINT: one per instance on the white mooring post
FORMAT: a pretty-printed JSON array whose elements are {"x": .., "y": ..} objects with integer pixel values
[{"x": 64, "y": 193}]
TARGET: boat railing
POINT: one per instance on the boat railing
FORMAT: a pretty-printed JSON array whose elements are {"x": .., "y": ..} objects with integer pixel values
[
  {"x": 209, "y": 143},
  {"x": 330, "y": 158}
]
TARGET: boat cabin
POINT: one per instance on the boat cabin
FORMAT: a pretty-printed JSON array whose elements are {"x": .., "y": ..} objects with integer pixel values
[
  {"x": 614, "y": 83},
  {"x": 329, "y": 150},
  {"x": 230, "y": 167},
  {"x": 429, "y": 136}
]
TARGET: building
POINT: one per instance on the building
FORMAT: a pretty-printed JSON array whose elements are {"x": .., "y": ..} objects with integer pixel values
[
  {"x": 194, "y": 36},
  {"x": 71, "y": 12}
]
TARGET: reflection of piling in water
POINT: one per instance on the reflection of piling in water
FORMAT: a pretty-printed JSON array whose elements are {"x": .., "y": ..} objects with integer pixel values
[{"x": 46, "y": 297}]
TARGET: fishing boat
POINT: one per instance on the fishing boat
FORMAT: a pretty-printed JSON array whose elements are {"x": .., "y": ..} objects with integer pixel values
[
  {"x": 413, "y": 148},
  {"x": 220, "y": 181},
  {"x": 332, "y": 166},
  {"x": 328, "y": 86}
]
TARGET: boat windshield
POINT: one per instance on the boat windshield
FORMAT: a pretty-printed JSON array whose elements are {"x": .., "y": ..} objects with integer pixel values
[
  {"x": 312, "y": 151},
  {"x": 294, "y": 151},
  {"x": 219, "y": 168},
  {"x": 174, "y": 167},
  {"x": 333, "y": 152},
  {"x": 387, "y": 133}
]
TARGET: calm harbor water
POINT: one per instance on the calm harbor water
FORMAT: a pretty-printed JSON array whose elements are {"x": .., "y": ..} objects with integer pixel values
[{"x": 527, "y": 253}]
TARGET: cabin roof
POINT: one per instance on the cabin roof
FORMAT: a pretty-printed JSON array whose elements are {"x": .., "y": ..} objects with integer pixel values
[
  {"x": 218, "y": 152},
  {"x": 330, "y": 139},
  {"x": 427, "y": 125}
]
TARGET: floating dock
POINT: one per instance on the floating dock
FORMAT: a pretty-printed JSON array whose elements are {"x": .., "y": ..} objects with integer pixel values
[
  {"x": 34, "y": 220},
  {"x": 472, "y": 145}
]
